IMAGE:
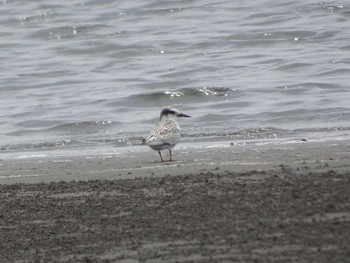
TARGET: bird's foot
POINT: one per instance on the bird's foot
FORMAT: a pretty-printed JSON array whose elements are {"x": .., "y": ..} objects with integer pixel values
[{"x": 168, "y": 161}]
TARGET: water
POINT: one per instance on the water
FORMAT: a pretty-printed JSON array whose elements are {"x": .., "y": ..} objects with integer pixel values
[{"x": 98, "y": 72}]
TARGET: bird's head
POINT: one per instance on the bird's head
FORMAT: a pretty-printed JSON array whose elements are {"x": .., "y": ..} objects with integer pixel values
[{"x": 171, "y": 114}]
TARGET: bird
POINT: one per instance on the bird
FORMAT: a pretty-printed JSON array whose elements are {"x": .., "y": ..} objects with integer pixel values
[{"x": 166, "y": 133}]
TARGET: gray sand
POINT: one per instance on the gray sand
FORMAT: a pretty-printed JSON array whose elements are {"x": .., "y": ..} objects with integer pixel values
[
  {"x": 282, "y": 203},
  {"x": 131, "y": 162}
]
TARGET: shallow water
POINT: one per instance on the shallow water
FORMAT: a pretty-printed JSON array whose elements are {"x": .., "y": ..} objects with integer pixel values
[{"x": 96, "y": 72}]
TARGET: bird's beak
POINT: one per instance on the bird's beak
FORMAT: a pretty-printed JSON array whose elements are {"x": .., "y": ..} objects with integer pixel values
[{"x": 183, "y": 115}]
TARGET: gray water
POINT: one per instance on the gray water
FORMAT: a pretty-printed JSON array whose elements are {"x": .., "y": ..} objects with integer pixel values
[{"x": 92, "y": 72}]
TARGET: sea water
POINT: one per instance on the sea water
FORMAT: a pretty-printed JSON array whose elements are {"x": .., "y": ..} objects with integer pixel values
[{"x": 96, "y": 72}]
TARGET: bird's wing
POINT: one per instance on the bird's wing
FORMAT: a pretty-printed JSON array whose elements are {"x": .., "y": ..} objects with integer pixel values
[
  {"x": 172, "y": 139},
  {"x": 157, "y": 143},
  {"x": 164, "y": 134}
]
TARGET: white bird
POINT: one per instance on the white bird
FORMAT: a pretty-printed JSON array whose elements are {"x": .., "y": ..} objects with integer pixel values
[{"x": 166, "y": 133}]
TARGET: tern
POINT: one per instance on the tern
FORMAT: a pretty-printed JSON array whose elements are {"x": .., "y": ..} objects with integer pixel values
[{"x": 166, "y": 133}]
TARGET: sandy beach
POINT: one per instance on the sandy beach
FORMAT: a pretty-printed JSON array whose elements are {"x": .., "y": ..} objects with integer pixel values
[{"x": 280, "y": 202}]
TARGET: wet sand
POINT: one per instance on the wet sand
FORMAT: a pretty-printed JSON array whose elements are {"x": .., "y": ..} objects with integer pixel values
[{"x": 241, "y": 203}]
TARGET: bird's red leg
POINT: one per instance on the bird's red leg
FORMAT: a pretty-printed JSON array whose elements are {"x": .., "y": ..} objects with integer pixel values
[
  {"x": 161, "y": 158},
  {"x": 171, "y": 159}
]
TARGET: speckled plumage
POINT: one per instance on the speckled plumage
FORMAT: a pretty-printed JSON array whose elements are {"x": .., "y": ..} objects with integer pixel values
[{"x": 166, "y": 133}]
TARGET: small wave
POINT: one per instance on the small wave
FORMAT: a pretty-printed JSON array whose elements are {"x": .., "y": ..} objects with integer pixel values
[
  {"x": 64, "y": 31},
  {"x": 206, "y": 91},
  {"x": 202, "y": 91},
  {"x": 182, "y": 95},
  {"x": 322, "y": 129},
  {"x": 85, "y": 127},
  {"x": 345, "y": 47},
  {"x": 293, "y": 66},
  {"x": 334, "y": 72},
  {"x": 81, "y": 125},
  {"x": 245, "y": 134},
  {"x": 253, "y": 133},
  {"x": 67, "y": 143},
  {"x": 330, "y": 7},
  {"x": 36, "y": 146},
  {"x": 38, "y": 17}
]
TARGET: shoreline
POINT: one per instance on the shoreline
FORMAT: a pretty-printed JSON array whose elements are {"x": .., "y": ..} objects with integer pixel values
[
  {"x": 281, "y": 202},
  {"x": 140, "y": 161}
]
